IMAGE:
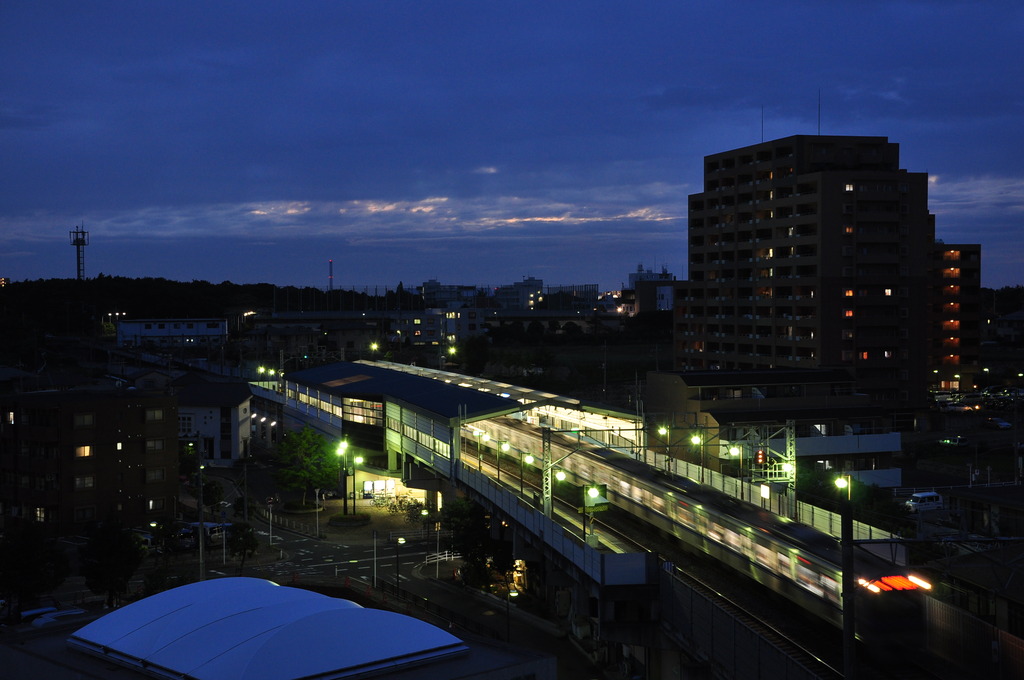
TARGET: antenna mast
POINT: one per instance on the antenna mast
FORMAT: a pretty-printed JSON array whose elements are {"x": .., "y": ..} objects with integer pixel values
[{"x": 80, "y": 239}]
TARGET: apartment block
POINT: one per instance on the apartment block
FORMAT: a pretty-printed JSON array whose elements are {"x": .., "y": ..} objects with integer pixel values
[
  {"x": 820, "y": 252},
  {"x": 70, "y": 458}
]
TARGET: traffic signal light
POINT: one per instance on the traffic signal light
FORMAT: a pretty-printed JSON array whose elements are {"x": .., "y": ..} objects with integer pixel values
[{"x": 759, "y": 457}]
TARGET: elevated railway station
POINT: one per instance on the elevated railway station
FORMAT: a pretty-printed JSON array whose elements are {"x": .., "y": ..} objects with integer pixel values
[{"x": 525, "y": 454}]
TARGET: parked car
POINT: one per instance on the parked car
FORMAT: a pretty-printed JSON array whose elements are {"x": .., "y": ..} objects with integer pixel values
[
  {"x": 58, "y": 616},
  {"x": 997, "y": 424},
  {"x": 954, "y": 441},
  {"x": 926, "y": 500}
]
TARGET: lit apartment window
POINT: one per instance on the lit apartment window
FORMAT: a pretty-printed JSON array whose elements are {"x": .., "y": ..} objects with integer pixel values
[
  {"x": 863, "y": 356},
  {"x": 154, "y": 415},
  {"x": 887, "y": 292},
  {"x": 119, "y": 446},
  {"x": 848, "y": 313},
  {"x": 848, "y": 292},
  {"x": 83, "y": 451},
  {"x": 85, "y": 482},
  {"x": 849, "y": 187},
  {"x": 154, "y": 504},
  {"x": 848, "y": 229}
]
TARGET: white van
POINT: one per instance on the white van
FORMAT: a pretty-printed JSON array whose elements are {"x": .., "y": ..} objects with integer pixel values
[{"x": 926, "y": 500}]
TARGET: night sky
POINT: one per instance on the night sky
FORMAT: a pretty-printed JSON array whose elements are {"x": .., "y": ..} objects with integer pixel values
[{"x": 471, "y": 142}]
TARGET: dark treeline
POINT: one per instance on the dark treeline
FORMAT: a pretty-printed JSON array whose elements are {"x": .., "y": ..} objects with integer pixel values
[{"x": 32, "y": 310}]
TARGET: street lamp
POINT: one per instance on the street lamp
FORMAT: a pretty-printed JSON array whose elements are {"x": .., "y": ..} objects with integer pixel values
[
  {"x": 342, "y": 474},
  {"x": 735, "y": 452},
  {"x": 523, "y": 459},
  {"x": 663, "y": 433},
  {"x": 358, "y": 460},
  {"x": 398, "y": 575},
  {"x": 846, "y": 542},
  {"x": 697, "y": 441},
  {"x": 504, "y": 448},
  {"x": 477, "y": 434},
  {"x": 201, "y": 533}
]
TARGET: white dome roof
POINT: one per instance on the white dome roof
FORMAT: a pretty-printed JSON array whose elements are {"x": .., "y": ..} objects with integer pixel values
[{"x": 235, "y": 628}]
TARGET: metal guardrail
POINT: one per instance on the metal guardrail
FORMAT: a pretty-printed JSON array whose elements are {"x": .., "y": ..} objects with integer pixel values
[{"x": 445, "y": 556}]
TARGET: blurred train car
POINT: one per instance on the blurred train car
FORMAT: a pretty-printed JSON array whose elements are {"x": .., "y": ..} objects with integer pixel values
[{"x": 794, "y": 560}]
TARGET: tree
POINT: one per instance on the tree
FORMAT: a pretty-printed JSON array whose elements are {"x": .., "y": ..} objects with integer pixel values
[
  {"x": 109, "y": 559},
  {"x": 30, "y": 565},
  {"x": 475, "y": 353},
  {"x": 307, "y": 462},
  {"x": 242, "y": 542},
  {"x": 470, "y": 527}
]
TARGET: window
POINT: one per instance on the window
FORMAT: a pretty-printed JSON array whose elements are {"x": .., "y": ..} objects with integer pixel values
[
  {"x": 848, "y": 313},
  {"x": 84, "y": 419},
  {"x": 85, "y": 482},
  {"x": 887, "y": 292},
  {"x": 154, "y": 415},
  {"x": 154, "y": 445},
  {"x": 85, "y": 513},
  {"x": 84, "y": 451},
  {"x": 849, "y": 187},
  {"x": 863, "y": 356},
  {"x": 847, "y": 334},
  {"x": 154, "y": 474},
  {"x": 848, "y": 292},
  {"x": 10, "y": 418},
  {"x": 154, "y": 504}
]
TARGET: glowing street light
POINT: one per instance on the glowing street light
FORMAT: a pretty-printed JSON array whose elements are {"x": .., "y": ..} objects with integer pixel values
[{"x": 343, "y": 474}]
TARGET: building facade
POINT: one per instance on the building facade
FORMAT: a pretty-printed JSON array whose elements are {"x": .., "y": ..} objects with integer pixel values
[
  {"x": 215, "y": 418},
  {"x": 814, "y": 251},
  {"x": 74, "y": 457},
  {"x": 172, "y": 332}
]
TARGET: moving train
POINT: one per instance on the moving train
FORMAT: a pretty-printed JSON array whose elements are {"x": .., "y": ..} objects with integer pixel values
[{"x": 794, "y": 560}]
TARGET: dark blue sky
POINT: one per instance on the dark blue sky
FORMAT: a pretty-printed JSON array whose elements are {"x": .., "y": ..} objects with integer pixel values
[{"x": 471, "y": 142}]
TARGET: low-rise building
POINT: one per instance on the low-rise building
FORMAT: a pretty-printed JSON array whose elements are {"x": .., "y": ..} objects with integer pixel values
[
  {"x": 167, "y": 333},
  {"x": 215, "y": 417}
]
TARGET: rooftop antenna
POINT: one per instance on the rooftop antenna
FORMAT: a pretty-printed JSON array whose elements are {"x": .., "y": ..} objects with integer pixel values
[
  {"x": 80, "y": 239},
  {"x": 330, "y": 275},
  {"x": 762, "y": 124},
  {"x": 819, "y": 112}
]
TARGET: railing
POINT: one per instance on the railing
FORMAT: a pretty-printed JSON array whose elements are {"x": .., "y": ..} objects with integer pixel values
[{"x": 446, "y": 556}]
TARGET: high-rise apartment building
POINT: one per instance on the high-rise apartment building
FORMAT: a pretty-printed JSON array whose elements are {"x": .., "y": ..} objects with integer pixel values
[{"x": 820, "y": 251}]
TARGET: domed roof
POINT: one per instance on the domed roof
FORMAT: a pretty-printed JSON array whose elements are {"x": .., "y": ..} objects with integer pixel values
[{"x": 235, "y": 628}]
